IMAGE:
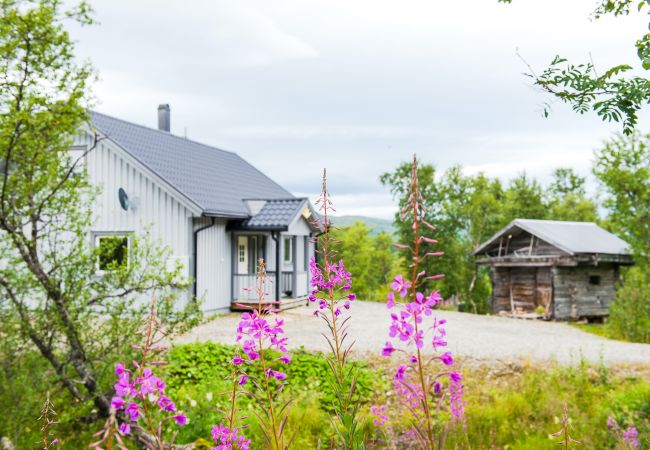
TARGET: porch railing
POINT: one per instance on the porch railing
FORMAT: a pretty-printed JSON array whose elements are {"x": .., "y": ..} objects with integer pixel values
[{"x": 244, "y": 286}]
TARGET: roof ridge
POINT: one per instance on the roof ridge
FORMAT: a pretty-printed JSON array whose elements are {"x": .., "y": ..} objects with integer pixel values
[
  {"x": 164, "y": 133},
  {"x": 567, "y": 222}
]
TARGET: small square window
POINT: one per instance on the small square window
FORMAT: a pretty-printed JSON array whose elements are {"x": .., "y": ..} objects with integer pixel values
[
  {"x": 594, "y": 280},
  {"x": 113, "y": 252}
]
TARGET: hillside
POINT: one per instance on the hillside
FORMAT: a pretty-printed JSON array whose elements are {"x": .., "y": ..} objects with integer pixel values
[{"x": 375, "y": 224}]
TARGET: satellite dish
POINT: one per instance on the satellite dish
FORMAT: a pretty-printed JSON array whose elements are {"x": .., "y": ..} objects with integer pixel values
[{"x": 124, "y": 199}]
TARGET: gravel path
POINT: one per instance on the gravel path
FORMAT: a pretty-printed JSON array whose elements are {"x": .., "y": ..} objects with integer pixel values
[{"x": 474, "y": 336}]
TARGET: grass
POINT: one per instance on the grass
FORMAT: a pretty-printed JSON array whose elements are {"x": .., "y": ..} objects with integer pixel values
[
  {"x": 509, "y": 405},
  {"x": 599, "y": 329}
]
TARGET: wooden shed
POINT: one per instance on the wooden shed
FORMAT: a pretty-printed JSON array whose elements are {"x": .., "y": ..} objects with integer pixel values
[{"x": 569, "y": 269}]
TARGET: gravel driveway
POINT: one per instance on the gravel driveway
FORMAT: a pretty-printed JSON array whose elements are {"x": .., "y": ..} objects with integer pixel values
[{"x": 469, "y": 335}]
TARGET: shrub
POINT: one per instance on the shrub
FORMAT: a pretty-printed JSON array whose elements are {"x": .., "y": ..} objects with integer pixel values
[{"x": 630, "y": 312}]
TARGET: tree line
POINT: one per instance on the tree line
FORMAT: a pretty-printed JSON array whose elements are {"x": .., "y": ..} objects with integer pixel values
[{"x": 467, "y": 209}]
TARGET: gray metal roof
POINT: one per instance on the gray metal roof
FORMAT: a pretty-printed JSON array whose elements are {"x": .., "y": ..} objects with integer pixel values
[
  {"x": 216, "y": 180},
  {"x": 276, "y": 214},
  {"x": 572, "y": 237}
]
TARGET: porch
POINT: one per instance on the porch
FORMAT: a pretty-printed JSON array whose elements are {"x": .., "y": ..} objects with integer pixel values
[{"x": 286, "y": 287}]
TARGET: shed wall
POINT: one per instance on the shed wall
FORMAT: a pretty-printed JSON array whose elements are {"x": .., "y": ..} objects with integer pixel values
[
  {"x": 575, "y": 296},
  {"x": 529, "y": 288}
]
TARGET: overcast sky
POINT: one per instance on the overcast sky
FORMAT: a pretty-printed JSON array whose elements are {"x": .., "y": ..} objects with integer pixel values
[{"x": 357, "y": 86}]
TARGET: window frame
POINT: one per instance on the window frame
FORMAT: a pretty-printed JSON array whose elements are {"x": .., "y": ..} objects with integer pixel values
[
  {"x": 287, "y": 256},
  {"x": 97, "y": 237}
]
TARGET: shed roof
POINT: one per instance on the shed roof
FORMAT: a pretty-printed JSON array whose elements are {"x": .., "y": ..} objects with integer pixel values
[
  {"x": 216, "y": 180},
  {"x": 571, "y": 237}
]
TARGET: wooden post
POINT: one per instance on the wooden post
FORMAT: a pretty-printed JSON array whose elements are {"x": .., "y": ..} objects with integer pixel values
[
  {"x": 512, "y": 301},
  {"x": 294, "y": 257}
]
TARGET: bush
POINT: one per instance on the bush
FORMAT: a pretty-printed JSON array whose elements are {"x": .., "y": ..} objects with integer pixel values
[{"x": 630, "y": 312}]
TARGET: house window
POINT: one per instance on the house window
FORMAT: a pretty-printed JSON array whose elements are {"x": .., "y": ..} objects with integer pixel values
[
  {"x": 112, "y": 252},
  {"x": 594, "y": 280},
  {"x": 288, "y": 249},
  {"x": 242, "y": 253}
]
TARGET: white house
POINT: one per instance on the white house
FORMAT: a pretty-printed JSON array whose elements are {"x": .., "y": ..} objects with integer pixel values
[{"x": 217, "y": 213}]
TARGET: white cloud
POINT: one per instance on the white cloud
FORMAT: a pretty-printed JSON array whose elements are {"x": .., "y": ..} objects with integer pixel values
[{"x": 358, "y": 86}]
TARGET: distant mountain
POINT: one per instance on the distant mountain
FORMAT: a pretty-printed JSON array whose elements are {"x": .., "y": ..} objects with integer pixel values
[{"x": 376, "y": 225}]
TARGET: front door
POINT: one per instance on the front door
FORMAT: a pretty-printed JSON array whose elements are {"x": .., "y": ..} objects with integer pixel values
[{"x": 242, "y": 255}]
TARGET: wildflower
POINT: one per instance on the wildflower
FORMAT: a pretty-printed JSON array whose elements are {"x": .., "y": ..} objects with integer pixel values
[
  {"x": 180, "y": 419},
  {"x": 237, "y": 361},
  {"x": 388, "y": 349},
  {"x": 631, "y": 437},
  {"x": 125, "y": 428},
  {"x": 399, "y": 374},
  {"x": 117, "y": 402},
  {"x": 400, "y": 286},
  {"x": 391, "y": 300},
  {"x": 410, "y": 324},
  {"x": 455, "y": 377},
  {"x": 447, "y": 359}
]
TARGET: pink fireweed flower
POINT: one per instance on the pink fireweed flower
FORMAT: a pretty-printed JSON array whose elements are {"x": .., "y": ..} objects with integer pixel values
[
  {"x": 132, "y": 394},
  {"x": 447, "y": 359},
  {"x": 399, "y": 374},
  {"x": 228, "y": 439},
  {"x": 332, "y": 284},
  {"x": 631, "y": 437},
  {"x": 391, "y": 300},
  {"x": 400, "y": 286},
  {"x": 125, "y": 428},
  {"x": 388, "y": 349},
  {"x": 180, "y": 419},
  {"x": 456, "y": 398}
]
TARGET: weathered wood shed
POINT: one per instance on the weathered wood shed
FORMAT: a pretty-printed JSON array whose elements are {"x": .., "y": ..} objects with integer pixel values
[{"x": 570, "y": 269}]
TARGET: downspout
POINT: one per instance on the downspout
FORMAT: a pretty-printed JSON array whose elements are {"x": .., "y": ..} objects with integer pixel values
[
  {"x": 195, "y": 254},
  {"x": 275, "y": 235}
]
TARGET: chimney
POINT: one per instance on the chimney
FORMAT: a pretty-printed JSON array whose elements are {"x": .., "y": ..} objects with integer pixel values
[{"x": 163, "y": 117}]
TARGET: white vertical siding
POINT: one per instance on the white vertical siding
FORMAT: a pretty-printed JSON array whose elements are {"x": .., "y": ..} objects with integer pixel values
[
  {"x": 214, "y": 261},
  {"x": 152, "y": 206}
]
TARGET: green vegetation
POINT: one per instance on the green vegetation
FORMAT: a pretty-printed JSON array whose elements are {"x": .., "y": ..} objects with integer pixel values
[
  {"x": 51, "y": 299},
  {"x": 468, "y": 209},
  {"x": 605, "y": 91},
  {"x": 372, "y": 259},
  {"x": 511, "y": 406}
]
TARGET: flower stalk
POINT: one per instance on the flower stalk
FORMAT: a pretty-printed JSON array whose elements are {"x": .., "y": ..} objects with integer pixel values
[
  {"x": 259, "y": 336},
  {"x": 423, "y": 392},
  {"x": 331, "y": 290}
]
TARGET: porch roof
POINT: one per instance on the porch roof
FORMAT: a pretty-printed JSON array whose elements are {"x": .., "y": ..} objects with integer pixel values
[{"x": 275, "y": 214}]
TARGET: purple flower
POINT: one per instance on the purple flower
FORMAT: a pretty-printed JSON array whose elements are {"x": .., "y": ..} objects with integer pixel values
[
  {"x": 242, "y": 379},
  {"x": 399, "y": 374},
  {"x": 400, "y": 286},
  {"x": 119, "y": 369},
  {"x": 117, "y": 403},
  {"x": 132, "y": 411},
  {"x": 631, "y": 437},
  {"x": 165, "y": 404},
  {"x": 237, "y": 361},
  {"x": 388, "y": 349},
  {"x": 181, "y": 419},
  {"x": 286, "y": 358},
  {"x": 352, "y": 297},
  {"x": 447, "y": 358},
  {"x": 125, "y": 428},
  {"x": 391, "y": 300},
  {"x": 455, "y": 376}
]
